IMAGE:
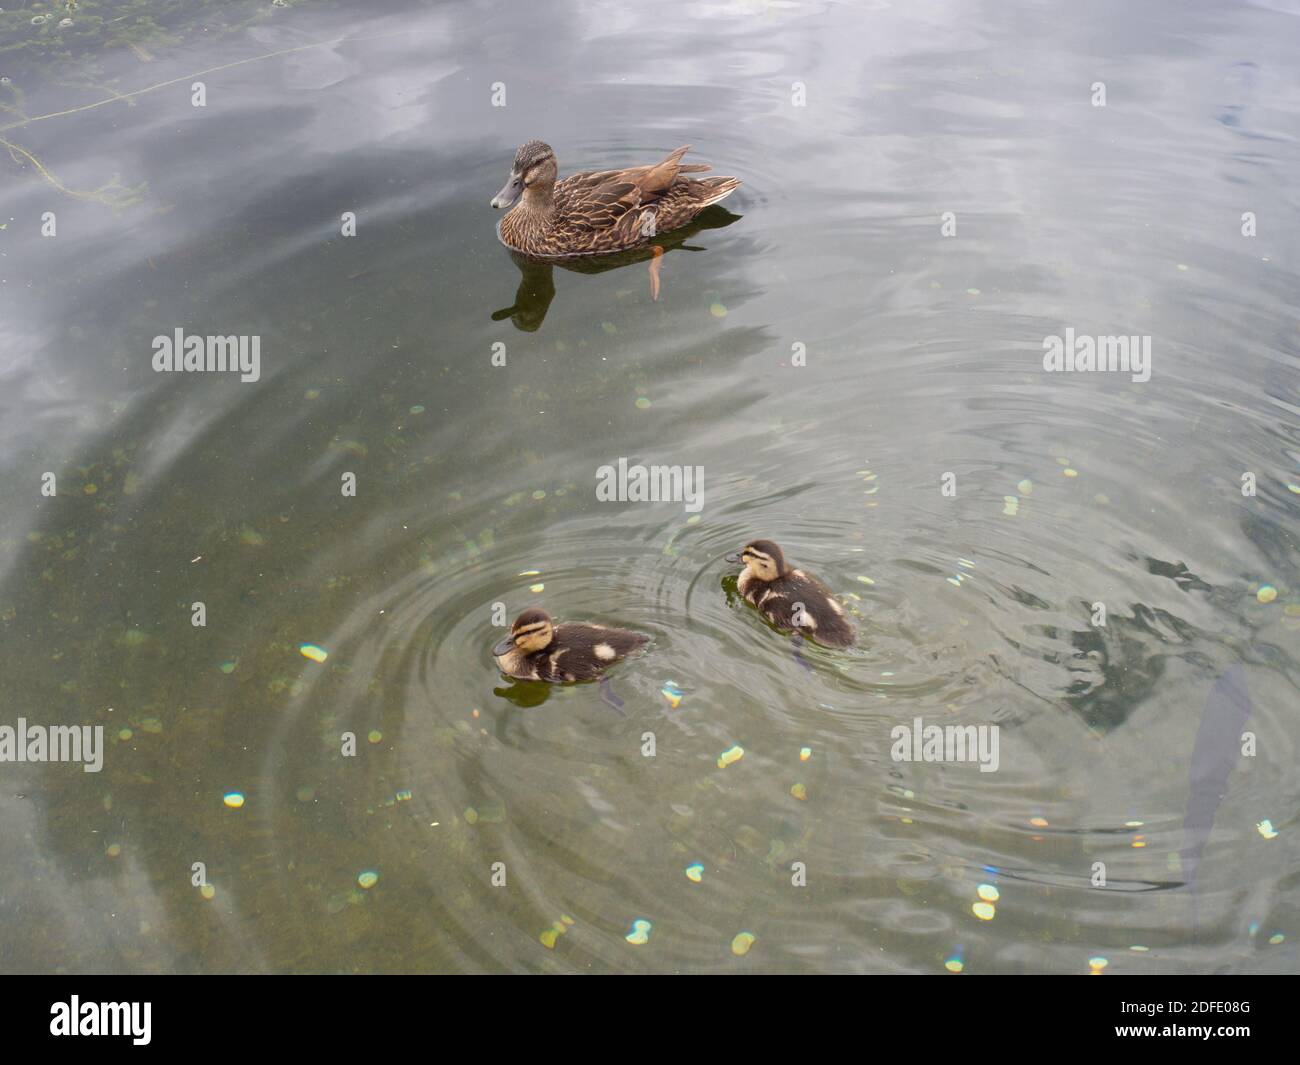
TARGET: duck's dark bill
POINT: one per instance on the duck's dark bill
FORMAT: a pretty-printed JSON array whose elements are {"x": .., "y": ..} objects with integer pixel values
[
  {"x": 513, "y": 189},
  {"x": 503, "y": 646},
  {"x": 733, "y": 558}
]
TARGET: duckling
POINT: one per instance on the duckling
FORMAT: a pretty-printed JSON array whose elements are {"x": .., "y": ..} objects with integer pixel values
[
  {"x": 539, "y": 649},
  {"x": 789, "y": 598}
]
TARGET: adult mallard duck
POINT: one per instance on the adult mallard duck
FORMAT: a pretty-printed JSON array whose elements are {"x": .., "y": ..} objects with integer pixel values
[
  {"x": 789, "y": 598},
  {"x": 539, "y": 649},
  {"x": 599, "y": 211}
]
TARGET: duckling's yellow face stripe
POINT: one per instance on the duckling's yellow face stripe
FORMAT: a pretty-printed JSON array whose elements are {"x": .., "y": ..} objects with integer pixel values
[
  {"x": 533, "y": 637},
  {"x": 762, "y": 565}
]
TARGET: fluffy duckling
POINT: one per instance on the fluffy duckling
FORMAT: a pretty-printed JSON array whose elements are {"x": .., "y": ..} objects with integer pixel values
[
  {"x": 539, "y": 649},
  {"x": 789, "y": 598}
]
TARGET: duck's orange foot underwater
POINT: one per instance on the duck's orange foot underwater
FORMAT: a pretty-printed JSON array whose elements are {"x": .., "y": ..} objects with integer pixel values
[{"x": 658, "y": 254}]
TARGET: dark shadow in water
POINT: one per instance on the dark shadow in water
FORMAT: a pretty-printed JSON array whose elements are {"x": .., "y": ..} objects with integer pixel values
[
  {"x": 530, "y": 693},
  {"x": 525, "y": 693},
  {"x": 1216, "y": 753},
  {"x": 537, "y": 281},
  {"x": 1114, "y": 668}
]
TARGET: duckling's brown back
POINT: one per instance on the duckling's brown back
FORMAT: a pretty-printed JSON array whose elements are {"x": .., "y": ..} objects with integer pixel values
[{"x": 800, "y": 603}]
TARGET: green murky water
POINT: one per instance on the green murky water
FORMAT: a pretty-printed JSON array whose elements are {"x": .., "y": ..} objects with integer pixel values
[{"x": 855, "y": 128}]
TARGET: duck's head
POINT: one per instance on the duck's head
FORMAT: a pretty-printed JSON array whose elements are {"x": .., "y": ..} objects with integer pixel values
[
  {"x": 762, "y": 558},
  {"x": 532, "y": 631},
  {"x": 532, "y": 174}
]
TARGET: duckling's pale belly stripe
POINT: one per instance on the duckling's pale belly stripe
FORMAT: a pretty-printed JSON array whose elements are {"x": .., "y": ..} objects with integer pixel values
[{"x": 513, "y": 664}]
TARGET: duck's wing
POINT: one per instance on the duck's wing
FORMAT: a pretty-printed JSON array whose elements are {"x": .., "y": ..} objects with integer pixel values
[
  {"x": 590, "y": 212},
  {"x": 801, "y": 603},
  {"x": 610, "y": 209},
  {"x": 601, "y": 197},
  {"x": 589, "y": 638},
  {"x": 829, "y": 626},
  {"x": 654, "y": 181},
  {"x": 776, "y": 601}
]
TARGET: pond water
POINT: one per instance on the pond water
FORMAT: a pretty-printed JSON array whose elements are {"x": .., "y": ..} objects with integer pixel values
[{"x": 852, "y": 350}]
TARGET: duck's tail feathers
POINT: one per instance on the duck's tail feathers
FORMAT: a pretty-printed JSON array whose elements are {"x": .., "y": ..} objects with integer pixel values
[{"x": 719, "y": 188}]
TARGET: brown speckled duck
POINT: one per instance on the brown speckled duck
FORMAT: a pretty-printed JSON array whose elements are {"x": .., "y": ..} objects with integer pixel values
[
  {"x": 790, "y": 599},
  {"x": 539, "y": 649},
  {"x": 599, "y": 211}
]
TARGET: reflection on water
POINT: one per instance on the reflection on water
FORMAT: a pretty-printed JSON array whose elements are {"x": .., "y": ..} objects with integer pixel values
[
  {"x": 834, "y": 363},
  {"x": 537, "y": 281}
]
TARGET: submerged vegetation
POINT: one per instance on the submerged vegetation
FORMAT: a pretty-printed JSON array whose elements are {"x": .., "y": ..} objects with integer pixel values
[
  {"x": 62, "y": 43},
  {"x": 64, "y": 38}
]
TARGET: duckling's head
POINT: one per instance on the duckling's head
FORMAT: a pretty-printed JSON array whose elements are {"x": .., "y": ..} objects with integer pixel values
[
  {"x": 532, "y": 631},
  {"x": 532, "y": 174},
  {"x": 763, "y": 559}
]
